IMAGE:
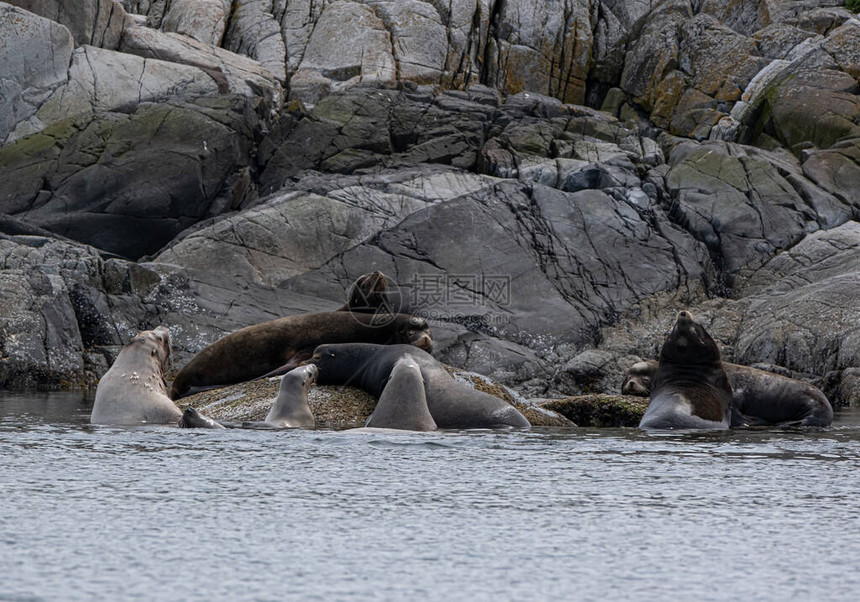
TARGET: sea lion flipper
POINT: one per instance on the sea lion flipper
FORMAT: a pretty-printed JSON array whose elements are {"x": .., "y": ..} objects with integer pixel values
[{"x": 297, "y": 360}]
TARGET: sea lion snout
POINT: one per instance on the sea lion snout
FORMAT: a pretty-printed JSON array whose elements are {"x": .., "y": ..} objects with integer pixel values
[
  {"x": 423, "y": 341},
  {"x": 312, "y": 372},
  {"x": 684, "y": 316}
]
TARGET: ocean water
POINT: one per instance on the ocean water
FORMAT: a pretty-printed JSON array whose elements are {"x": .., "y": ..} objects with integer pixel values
[{"x": 156, "y": 513}]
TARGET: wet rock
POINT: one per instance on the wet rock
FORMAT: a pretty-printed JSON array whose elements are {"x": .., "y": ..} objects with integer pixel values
[{"x": 600, "y": 410}]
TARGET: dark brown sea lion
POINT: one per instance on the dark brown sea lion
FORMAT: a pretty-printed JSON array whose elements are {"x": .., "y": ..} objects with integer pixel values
[
  {"x": 371, "y": 293},
  {"x": 280, "y": 345},
  {"x": 690, "y": 389},
  {"x": 133, "y": 390},
  {"x": 452, "y": 405},
  {"x": 759, "y": 398}
]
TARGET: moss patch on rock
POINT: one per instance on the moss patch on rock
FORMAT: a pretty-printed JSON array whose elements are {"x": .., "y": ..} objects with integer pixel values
[{"x": 600, "y": 410}]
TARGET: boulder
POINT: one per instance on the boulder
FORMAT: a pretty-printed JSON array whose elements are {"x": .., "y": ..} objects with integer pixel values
[
  {"x": 254, "y": 32},
  {"x": 232, "y": 72},
  {"x": 203, "y": 20},
  {"x": 103, "y": 178},
  {"x": 91, "y": 22},
  {"x": 103, "y": 80},
  {"x": 34, "y": 58}
]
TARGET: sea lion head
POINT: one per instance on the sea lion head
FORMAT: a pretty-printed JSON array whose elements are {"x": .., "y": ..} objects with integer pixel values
[
  {"x": 368, "y": 291},
  {"x": 303, "y": 376},
  {"x": 638, "y": 380},
  {"x": 413, "y": 330},
  {"x": 340, "y": 362},
  {"x": 156, "y": 343},
  {"x": 689, "y": 343}
]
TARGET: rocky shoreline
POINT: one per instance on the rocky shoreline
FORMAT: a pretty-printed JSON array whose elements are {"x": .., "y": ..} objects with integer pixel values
[{"x": 547, "y": 182}]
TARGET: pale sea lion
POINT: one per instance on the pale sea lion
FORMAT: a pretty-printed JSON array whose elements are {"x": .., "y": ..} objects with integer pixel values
[
  {"x": 759, "y": 398},
  {"x": 403, "y": 403},
  {"x": 452, "y": 405},
  {"x": 278, "y": 346},
  {"x": 690, "y": 389},
  {"x": 291, "y": 408},
  {"x": 133, "y": 390}
]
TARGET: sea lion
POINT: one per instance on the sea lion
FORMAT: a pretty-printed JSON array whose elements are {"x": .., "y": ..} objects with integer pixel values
[
  {"x": 371, "y": 293},
  {"x": 759, "y": 398},
  {"x": 403, "y": 403},
  {"x": 133, "y": 390},
  {"x": 278, "y": 346},
  {"x": 452, "y": 405},
  {"x": 192, "y": 419},
  {"x": 690, "y": 389},
  {"x": 291, "y": 409}
]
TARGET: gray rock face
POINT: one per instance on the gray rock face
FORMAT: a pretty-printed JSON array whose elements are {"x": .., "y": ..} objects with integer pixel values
[
  {"x": 34, "y": 58},
  {"x": 93, "y": 22},
  {"x": 203, "y": 20},
  {"x": 81, "y": 178},
  {"x": 255, "y": 33},
  {"x": 549, "y": 243},
  {"x": 103, "y": 80},
  {"x": 232, "y": 72}
]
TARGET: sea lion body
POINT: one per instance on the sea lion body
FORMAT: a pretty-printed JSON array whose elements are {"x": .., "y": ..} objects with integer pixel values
[
  {"x": 451, "y": 404},
  {"x": 403, "y": 403},
  {"x": 371, "y": 293},
  {"x": 759, "y": 398},
  {"x": 291, "y": 409},
  {"x": 690, "y": 389},
  {"x": 277, "y": 346},
  {"x": 192, "y": 419},
  {"x": 133, "y": 391}
]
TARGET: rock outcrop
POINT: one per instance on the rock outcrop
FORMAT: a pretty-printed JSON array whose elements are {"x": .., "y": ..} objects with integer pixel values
[{"x": 208, "y": 164}]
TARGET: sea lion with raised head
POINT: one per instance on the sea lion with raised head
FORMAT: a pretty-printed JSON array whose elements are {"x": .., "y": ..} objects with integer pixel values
[
  {"x": 278, "y": 346},
  {"x": 759, "y": 398},
  {"x": 291, "y": 408},
  {"x": 133, "y": 390},
  {"x": 690, "y": 389},
  {"x": 403, "y": 403},
  {"x": 452, "y": 405},
  {"x": 372, "y": 293}
]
